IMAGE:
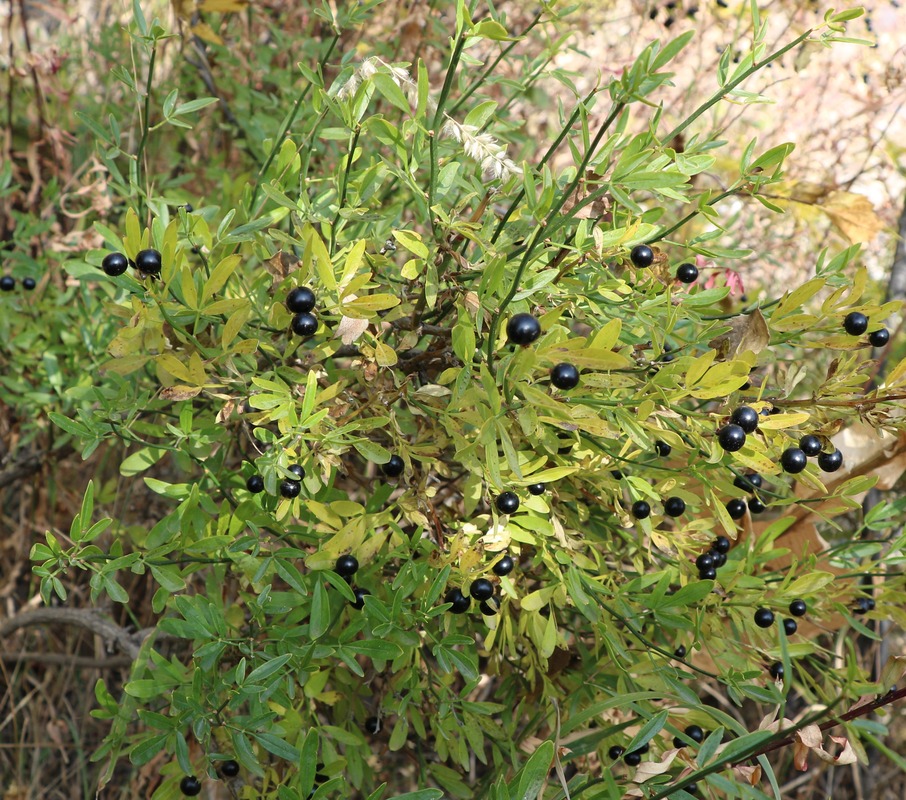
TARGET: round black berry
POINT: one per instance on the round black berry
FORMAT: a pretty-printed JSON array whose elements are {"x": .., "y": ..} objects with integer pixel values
[
  {"x": 736, "y": 508},
  {"x": 296, "y": 469},
  {"x": 115, "y": 264},
  {"x": 346, "y": 566},
  {"x": 394, "y": 467},
  {"x": 692, "y": 788},
  {"x": 719, "y": 559},
  {"x": 481, "y": 589},
  {"x": 255, "y": 484},
  {"x": 536, "y": 489},
  {"x": 746, "y": 417},
  {"x": 798, "y": 608},
  {"x": 680, "y": 651},
  {"x": 522, "y": 329},
  {"x": 304, "y": 324},
  {"x": 663, "y": 449},
  {"x": 300, "y": 300},
  {"x": 793, "y": 460},
  {"x": 687, "y": 273},
  {"x": 776, "y": 670},
  {"x": 748, "y": 483},
  {"x": 704, "y": 561},
  {"x": 721, "y": 544},
  {"x": 756, "y": 506},
  {"x": 731, "y": 438},
  {"x": 372, "y": 725},
  {"x": 460, "y": 601},
  {"x": 488, "y": 607},
  {"x": 507, "y": 503},
  {"x": 632, "y": 759},
  {"x": 148, "y": 261},
  {"x": 190, "y": 786},
  {"x": 864, "y": 605},
  {"x": 708, "y": 574},
  {"x": 7, "y": 283},
  {"x": 674, "y": 506},
  {"x": 875, "y": 338},
  {"x": 641, "y": 509},
  {"x": 565, "y": 376},
  {"x": 290, "y": 488},
  {"x": 810, "y": 445},
  {"x": 29, "y": 283},
  {"x": 764, "y": 618},
  {"x": 642, "y": 255},
  {"x": 504, "y": 566},
  {"x": 229, "y": 769},
  {"x": 790, "y": 626},
  {"x": 360, "y": 595},
  {"x": 695, "y": 733},
  {"x": 830, "y": 462},
  {"x": 616, "y": 751},
  {"x": 855, "y": 324}
]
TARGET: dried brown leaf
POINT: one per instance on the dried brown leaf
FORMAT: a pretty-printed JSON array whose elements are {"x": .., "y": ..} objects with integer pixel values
[{"x": 748, "y": 332}]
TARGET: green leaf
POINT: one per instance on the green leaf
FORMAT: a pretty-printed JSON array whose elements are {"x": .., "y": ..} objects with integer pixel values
[
  {"x": 532, "y": 776},
  {"x": 267, "y": 669},
  {"x": 320, "y": 611},
  {"x": 648, "y": 730},
  {"x": 277, "y": 746}
]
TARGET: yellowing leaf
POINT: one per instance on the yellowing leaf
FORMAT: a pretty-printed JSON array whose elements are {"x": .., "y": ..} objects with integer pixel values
[
  {"x": 368, "y": 306},
  {"x": 179, "y": 392},
  {"x": 206, "y": 33},
  {"x": 853, "y": 215},
  {"x": 223, "y": 6},
  {"x": 220, "y": 275},
  {"x": 384, "y": 355},
  {"x": 125, "y": 366},
  {"x": 776, "y": 422}
]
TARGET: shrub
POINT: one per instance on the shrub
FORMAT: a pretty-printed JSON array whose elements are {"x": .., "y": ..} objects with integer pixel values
[{"x": 510, "y": 619}]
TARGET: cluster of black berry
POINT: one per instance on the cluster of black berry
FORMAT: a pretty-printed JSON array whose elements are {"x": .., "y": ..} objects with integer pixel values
[
  {"x": 148, "y": 262},
  {"x": 708, "y": 563},
  {"x": 8, "y": 283},
  {"x": 301, "y": 301}
]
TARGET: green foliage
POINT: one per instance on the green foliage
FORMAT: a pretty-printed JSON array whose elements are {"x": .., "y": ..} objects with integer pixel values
[{"x": 388, "y": 192}]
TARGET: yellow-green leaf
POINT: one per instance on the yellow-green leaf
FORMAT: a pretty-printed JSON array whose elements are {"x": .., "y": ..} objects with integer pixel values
[{"x": 219, "y": 276}]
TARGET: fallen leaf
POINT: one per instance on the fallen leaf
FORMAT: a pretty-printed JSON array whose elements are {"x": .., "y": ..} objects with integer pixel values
[
  {"x": 747, "y": 332},
  {"x": 648, "y": 769}
]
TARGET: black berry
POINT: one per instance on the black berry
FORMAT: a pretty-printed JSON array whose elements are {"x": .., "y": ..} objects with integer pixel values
[
  {"x": 304, "y": 324},
  {"x": 394, "y": 467},
  {"x": 460, "y": 601},
  {"x": 565, "y": 376},
  {"x": 680, "y": 651},
  {"x": 790, "y": 626},
  {"x": 830, "y": 462},
  {"x": 632, "y": 759},
  {"x": 346, "y": 566},
  {"x": 642, "y": 255},
  {"x": 719, "y": 559},
  {"x": 748, "y": 483},
  {"x": 536, "y": 489},
  {"x": 793, "y": 460},
  {"x": 255, "y": 484},
  {"x": 296, "y": 469},
  {"x": 663, "y": 449},
  {"x": 731, "y": 438},
  {"x": 481, "y": 589},
  {"x": 736, "y": 508},
  {"x": 504, "y": 566},
  {"x": 798, "y": 608},
  {"x": 148, "y": 261},
  {"x": 641, "y": 509},
  {"x": 864, "y": 605},
  {"x": 115, "y": 264},
  {"x": 721, "y": 544},
  {"x": 300, "y": 300},
  {"x": 764, "y": 618},
  {"x": 616, "y": 751},
  {"x": 704, "y": 561},
  {"x": 190, "y": 786},
  {"x": 372, "y": 725},
  {"x": 360, "y": 595},
  {"x": 810, "y": 445},
  {"x": 875, "y": 338},
  {"x": 290, "y": 488},
  {"x": 28, "y": 284},
  {"x": 855, "y": 324},
  {"x": 7, "y": 283},
  {"x": 756, "y": 506},
  {"x": 695, "y": 733},
  {"x": 708, "y": 574},
  {"x": 507, "y": 503},
  {"x": 776, "y": 670},
  {"x": 229, "y": 769},
  {"x": 522, "y": 329},
  {"x": 674, "y": 506},
  {"x": 746, "y": 417},
  {"x": 488, "y": 607},
  {"x": 687, "y": 273}
]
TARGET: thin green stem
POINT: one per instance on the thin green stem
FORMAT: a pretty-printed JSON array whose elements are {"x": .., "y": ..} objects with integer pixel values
[
  {"x": 146, "y": 128},
  {"x": 344, "y": 185}
]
